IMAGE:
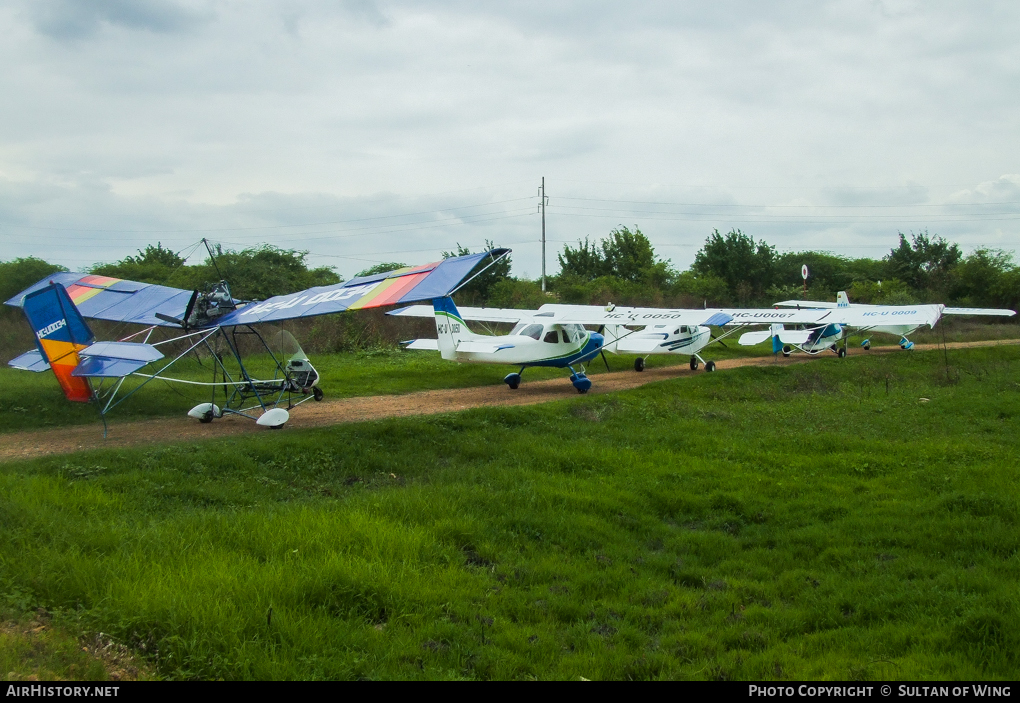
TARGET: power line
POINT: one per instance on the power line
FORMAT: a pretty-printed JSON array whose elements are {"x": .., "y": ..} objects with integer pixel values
[{"x": 739, "y": 205}]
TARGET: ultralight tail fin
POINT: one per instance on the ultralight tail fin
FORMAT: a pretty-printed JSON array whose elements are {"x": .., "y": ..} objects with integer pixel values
[
  {"x": 60, "y": 333},
  {"x": 842, "y": 301}
]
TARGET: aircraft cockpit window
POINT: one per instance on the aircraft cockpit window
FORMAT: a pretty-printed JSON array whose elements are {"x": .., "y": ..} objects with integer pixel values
[
  {"x": 573, "y": 333},
  {"x": 551, "y": 337},
  {"x": 518, "y": 327},
  {"x": 533, "y": 331}
]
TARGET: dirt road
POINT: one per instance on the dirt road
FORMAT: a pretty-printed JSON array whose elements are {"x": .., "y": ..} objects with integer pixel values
[{"x": 23, "y": 445}]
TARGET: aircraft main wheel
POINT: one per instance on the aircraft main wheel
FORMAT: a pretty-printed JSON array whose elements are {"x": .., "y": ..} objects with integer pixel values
[
  {"x": 317, "y": 393},
  {"x": 710, "y": 366},
  {"x": 841, "y": 353},
  {"x": 639, "y": 364},
  {"x": 867, "y": 347},
  {"x": 207, "y": 417},
  {"x": 582, "y": 390},
  {"x": 514, "y": 386},
  {"x": 694, "y": 364},
  {"x": 787, "y": 350},
  {"x": 276, "y": 427}
]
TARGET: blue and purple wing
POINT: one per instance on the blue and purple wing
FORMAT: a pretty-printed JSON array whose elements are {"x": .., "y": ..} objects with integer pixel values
[{"x": 114, "y": 299}]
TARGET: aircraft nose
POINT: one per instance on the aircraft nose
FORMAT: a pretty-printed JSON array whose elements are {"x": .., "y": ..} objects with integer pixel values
[{"x": 598, "y": 339}]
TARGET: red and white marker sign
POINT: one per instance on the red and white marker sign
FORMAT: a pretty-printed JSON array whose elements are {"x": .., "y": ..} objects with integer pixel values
[{"x": 803, "y": 272}]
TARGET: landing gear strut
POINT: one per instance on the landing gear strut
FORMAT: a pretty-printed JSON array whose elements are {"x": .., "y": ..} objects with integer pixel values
[{"x": 696, "y": 360}]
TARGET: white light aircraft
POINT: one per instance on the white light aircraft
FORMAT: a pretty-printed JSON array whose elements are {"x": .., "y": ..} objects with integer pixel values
[
  {"x": 676, "y": 331},
  {"x": 554, "y": 336},
  {"x": 899, "y": 330}
]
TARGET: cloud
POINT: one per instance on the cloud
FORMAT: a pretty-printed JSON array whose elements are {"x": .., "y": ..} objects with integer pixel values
[
  {"x": 72, "y": 20},
  {"x": 1004, "y": 189},
  {"x": 188, "y": 116}
]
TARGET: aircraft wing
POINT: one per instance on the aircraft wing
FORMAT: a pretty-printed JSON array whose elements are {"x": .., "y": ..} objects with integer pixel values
[
  {"x": 801, "y": 304},
  {"x": 864, "y": 316},
  {"x": 979, "y": 311},
  {"x": 470, "y": 314},
  {"x": 406, "y": 285},
  {"x": 771, "y": 316},
  {"x": 114, "y": 299},
  {"x": 875, "y": 315},
  {"x": 595, "y": 315}
]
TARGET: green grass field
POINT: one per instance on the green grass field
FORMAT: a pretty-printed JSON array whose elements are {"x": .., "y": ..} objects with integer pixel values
[{"x": 831, "y": 520}]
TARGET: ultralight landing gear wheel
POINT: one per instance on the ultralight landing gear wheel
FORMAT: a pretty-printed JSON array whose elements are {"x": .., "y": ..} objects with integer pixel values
[
  {"x": 583, "y": 390},
  {"x": 694, "y": 363},
  {"x": 787, "y": 350},
  {"x": 317, "y": 393},
  {"x": 207, "y": 417},
  {"x": 639, "y": 364},
  {"x": 867, "y": 346},
  {"x": 513, "y": 380},
  {"x": 710, "y": 367},
  {"x": 841, "y": 353}
]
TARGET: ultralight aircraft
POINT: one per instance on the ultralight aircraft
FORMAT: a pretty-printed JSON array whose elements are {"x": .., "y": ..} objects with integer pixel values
[{"x": 58, "y": 306}]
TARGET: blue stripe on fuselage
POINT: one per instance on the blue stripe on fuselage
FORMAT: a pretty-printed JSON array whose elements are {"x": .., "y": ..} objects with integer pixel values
[{"x": 588, "y": 352}]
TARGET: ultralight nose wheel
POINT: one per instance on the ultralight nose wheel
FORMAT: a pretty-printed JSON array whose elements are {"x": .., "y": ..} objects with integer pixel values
[{"x": 639, "y": 364}]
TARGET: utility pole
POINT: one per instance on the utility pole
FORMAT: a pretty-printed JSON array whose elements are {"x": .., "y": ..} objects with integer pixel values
[{"x": 542, "y": 201}]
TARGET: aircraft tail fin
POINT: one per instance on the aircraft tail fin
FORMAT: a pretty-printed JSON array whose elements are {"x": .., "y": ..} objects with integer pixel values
[
  {"x": 60, "y": 333},
  {"x": 450, "y": 327},
  {"x": 842, "y": 301}
]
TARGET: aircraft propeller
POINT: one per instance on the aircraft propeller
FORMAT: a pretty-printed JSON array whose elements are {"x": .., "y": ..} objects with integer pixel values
[{"x": 187, "y": 313}]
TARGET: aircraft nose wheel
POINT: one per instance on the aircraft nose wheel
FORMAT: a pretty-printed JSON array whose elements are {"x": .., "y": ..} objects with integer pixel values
[
  {"x": 710, "y": 366},
  {"x": 317, "y": 393},
  {"x": 207, "y": 417},
  {"x": 841, "y": 353},
  {"x": 787, "y": 350},
  {"x": 581, "y": 382},
  {"x": 639, "y": 364},
  {"x": 513, "y": 380},
  {"x": 694, "y": 363}
]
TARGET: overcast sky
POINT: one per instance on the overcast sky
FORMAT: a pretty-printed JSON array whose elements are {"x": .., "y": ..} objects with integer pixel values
[{"x": 389, "y": 131}]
